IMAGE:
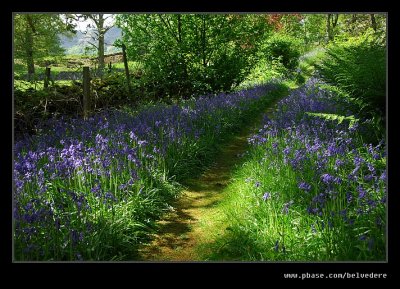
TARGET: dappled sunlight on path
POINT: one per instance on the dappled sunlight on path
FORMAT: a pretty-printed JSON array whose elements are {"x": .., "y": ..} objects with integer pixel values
[{"x": 182, "y": 229}]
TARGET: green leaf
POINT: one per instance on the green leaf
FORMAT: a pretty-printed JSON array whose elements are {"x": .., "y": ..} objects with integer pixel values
[{"x": 334, "y": 117}]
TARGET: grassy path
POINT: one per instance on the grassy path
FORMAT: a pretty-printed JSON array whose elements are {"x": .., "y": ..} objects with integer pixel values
[{"x": 182, "y": 230}]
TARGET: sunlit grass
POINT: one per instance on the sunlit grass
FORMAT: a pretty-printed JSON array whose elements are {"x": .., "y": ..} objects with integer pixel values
[{"x": 299, "y": 197}]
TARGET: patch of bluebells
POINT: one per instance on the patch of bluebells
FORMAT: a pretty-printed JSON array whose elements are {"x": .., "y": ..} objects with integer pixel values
[
  {"x": 348, "y": 176},
  {"x": 74, "y": 168}
]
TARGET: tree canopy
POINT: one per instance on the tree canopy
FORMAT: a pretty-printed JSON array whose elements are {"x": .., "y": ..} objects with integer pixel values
[
  {"x": 36, "y": 36},
  {"x": 204, "y": 52}
]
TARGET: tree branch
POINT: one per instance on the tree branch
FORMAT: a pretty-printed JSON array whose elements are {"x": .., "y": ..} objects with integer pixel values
[
  {"x": 94, "y": 45},
  {"x": 169, "y": 28},
  {"x": 30, "y": 23}
]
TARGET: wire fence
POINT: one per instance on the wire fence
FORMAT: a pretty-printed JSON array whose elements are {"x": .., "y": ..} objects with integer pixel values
[{"x": 68, "y": 75}]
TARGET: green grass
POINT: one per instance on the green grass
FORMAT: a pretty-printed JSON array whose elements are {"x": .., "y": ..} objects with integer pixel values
[
  {"x": 266, "y": 71},
  {"x": 307, "y": 62},
  {"x": 250, "y": 228},
  {"x": 133, "y": 65},
  {"x": 257, "y": 229},
  {"x": 313, "y": 56},
  {"x": 20, "y": 71},
  {"x": 253, "y": 226},
  {"x": 37, "y": 85}
]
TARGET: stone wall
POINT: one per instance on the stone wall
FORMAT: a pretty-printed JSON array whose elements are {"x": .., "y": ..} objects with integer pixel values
[{"x": 113, "y": 58}]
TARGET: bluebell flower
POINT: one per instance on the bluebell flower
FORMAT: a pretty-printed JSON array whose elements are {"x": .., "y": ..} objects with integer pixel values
[
  {"x": 266, "y": 196},
  {"x": 361, "y": 192},
  {"x": 286, "y": 150},
  {"x": 383, "y": 176},
  {"x": 304, "y": 186},
  {"x": 327, "y": 178},
  {"x": 276, "y": 247},
  {"x": 286, "y": 206}
]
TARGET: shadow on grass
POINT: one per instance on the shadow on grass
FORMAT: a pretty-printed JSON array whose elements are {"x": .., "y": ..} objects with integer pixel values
[{"x": 231, "y": 246}]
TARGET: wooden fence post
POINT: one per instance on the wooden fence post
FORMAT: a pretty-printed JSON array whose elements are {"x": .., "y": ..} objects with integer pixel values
[
  {"x": 86, "y": 92},
  {"x": 47, "y": 77},
  {"x": 128, "y": 77}
]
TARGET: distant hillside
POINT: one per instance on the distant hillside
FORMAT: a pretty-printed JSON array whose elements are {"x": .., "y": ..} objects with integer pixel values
[{"x": 77, "y": 43}]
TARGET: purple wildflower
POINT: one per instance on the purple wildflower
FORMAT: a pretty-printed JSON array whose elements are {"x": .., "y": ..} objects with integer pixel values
[
  {"x": 304, "y": 186},
  {"x": 327, "y": 178},
  {"x": 266, "y": 196},
  {"x": 286, "y": 150},
  {"x": 286, "y": 206},
  {"x": 361, "y": 192}
]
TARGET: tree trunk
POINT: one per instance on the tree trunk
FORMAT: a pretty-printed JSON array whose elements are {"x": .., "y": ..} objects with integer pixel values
[
  {"x": 47, "y": 78},
  {"x": 373, "y": 22},
  {"x": 184, "y": 85},
  {"x": 331, "y": 23},
  {"x": 179, "y": 28},
  {"x": 86, "y": 92},
  {"x": 128, "y": 77},
  {"x": 29, "y": 47},
  {"x": 100, "y": 48},
  {"x": 203, "y": 41},
  {"x": 328, "y": 27},
  {"x": 335, "y": 20},
  {"x": 352, "y": 22}
]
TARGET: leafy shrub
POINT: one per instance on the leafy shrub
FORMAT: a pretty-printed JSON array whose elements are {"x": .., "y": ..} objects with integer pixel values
[
  {"x": 227, "y": 71},
  {"x": 373, "y": 129},
  {"x": 265, "y": 71},
  {"x": 358, "y": 66},
  {"x": 210, "y": 53},
  {"x": 285, "y": 48}
]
